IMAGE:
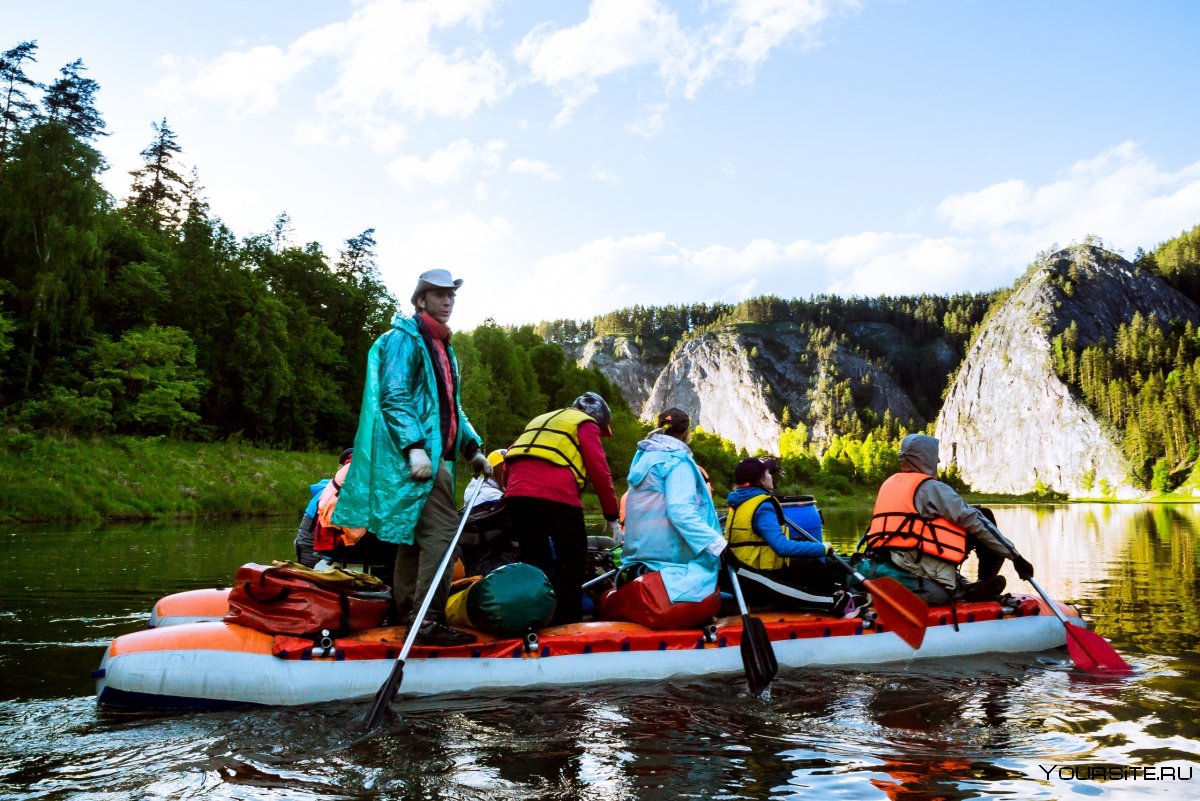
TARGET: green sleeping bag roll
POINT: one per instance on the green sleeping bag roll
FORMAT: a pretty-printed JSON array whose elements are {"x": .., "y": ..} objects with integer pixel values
[{"x": 507, "y": 602}]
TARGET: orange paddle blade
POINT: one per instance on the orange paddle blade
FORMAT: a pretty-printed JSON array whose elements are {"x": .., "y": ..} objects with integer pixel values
[{"x": 899, "y": 609}]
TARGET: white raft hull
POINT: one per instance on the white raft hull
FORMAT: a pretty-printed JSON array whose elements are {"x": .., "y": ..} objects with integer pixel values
[{"x": 214, "y": 665}]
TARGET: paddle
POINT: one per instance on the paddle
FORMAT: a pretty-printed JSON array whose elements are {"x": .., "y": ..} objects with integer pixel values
[
  {"x": 896, "y": 606},
  {"x": 1088, "y": 650},
  {"x": 387, "y": 692},
  {"x": 758, "y": 657}
]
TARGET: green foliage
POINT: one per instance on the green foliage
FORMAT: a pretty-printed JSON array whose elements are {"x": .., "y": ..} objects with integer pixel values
[
  {"x": 149, "y": 380},
  {"x": 718, "y": 457},
  {"x": 57, "y": 478},
  {"x": 115, "y": 319},
  {"x": 1160, "y": 480},
  {"x": 1146, "y": 388}
]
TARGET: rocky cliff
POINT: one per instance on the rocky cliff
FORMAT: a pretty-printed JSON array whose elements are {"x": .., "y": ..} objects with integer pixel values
[
  {"x": 738, "y": 380},
  {"x": 633, "y": 367},
  {"x": 1008, "y": 422}
]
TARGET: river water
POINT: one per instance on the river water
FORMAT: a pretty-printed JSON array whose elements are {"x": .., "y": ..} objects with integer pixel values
[{"x": 1017, "y": 727}]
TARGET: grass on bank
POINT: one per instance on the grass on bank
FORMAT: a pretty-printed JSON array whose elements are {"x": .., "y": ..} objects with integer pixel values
[
  {"x": 53, "y": 479},
  {"x": 50, "y": 478}
]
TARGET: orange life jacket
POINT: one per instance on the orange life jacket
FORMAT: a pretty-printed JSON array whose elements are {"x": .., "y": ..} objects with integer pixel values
[
  {"x": 896, "y": 524},
  {"x": 327, "y": 536}
]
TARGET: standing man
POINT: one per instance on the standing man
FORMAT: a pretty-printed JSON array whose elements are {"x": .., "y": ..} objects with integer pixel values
[
  {"x": 411, "y": 428},
  {"x": 548, "y": 467},
  {"x": 922, "y": 530}
]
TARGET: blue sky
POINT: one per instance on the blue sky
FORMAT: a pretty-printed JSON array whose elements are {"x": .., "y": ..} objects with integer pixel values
[{"x": 570, "y": 158}]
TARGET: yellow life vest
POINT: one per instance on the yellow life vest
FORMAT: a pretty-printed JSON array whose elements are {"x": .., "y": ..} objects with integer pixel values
[
  {"x": 554, "y": 436},
  {"x": 896, "y": 524},
  {"x": 749, "y": 548}
]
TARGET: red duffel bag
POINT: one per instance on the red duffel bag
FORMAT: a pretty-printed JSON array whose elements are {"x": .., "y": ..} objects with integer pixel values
[
  {"x": 644, "y": 600},
  {"x": 288, "y": 598}
]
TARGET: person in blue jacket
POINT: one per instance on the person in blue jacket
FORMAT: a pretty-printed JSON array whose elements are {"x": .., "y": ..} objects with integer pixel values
[
  {"x": 671, "y": 525},
  {"x": 305, "y": 554},
  {"x": 776, "y": 563}
]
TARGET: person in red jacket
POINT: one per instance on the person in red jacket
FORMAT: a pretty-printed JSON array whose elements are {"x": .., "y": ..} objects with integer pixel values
[{"x": 548, "y": 467}]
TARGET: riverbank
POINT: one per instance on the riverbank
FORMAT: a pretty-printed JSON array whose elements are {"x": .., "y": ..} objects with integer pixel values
[
  {"x": 51, "y": 479},
  {"x": 66, "y": 480}
]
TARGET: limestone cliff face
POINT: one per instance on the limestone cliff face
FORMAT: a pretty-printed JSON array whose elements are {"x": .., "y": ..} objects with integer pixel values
[
  {"x": 1008, "y": 421},
  {"x": 632, "y": 368},
  {"x": 737, "y": 381}
]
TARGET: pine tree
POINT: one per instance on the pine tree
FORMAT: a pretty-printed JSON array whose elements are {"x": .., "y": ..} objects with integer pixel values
[
  {"x": 16, "y": 109},
  {"x": 158, "y": 190},
  {"x": 71, "y": 100}
]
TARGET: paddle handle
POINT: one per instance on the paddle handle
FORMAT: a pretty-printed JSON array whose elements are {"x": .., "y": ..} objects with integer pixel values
[
  {"x": 737, "y": 588},
  {"x": 437, "y": 577},
  {"x": 599, "y": 579},
  {"x": 1049, "y": 602}
]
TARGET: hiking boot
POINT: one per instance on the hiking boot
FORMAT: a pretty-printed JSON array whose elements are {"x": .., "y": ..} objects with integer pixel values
[
  {"x": 434, "y": 633},
  {"x": 988, "y": 590}
]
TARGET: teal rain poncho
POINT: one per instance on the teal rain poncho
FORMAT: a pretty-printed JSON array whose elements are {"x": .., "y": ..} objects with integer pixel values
[
  {"x": 400, "y": 407},
  {"x": 670, "y": 520}
]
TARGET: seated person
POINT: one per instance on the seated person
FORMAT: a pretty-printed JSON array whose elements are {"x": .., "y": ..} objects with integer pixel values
[
  {"x": 304, "y": 535},
  {"x": 922, "y": 530},
  {"x": 487, "y": 541},
  {"x": 776, "y": 564},
  {"x": 348, "y": 547},
  {"x": 493, "y": 485},
  {"x": 671, "y": 524}
]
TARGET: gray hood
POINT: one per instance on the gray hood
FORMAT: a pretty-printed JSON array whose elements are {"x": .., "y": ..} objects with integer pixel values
[{"x": 919, "y": 453}]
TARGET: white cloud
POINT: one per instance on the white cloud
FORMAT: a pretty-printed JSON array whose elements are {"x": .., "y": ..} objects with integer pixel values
[
  {"x": 384, "y": 60},
  {"x": 539, "y": 169},
  {"x": 1120, "y": 194},
  {"x": 650, "y": 123},
  {"x": 484, "y": 251},
  {"x": 449, "y": 165},
  {"x": 622, "y": 35},
  {"x": 249, "y": 81},
  {"x": 604, "y": 176}
]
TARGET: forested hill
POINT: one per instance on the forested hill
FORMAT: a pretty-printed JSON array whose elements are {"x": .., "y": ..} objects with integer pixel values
[
  {"x": 903, "y": 335},
  {"x": 829, "y": 375},
  {"x": 146, "y": 315}
]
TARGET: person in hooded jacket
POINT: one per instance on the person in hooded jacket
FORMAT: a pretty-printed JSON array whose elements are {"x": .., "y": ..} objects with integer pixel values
[
  {"x": 305, "y": 554},
  {"x": 547, "y": 468},
  {"x": 671, "y": 525},
  {"x": 922, "y": 530},
  {"x": 777, "y": 564},
  {"x": 412, "y": 427}
]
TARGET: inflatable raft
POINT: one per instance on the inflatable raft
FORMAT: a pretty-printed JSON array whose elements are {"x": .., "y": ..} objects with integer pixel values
[{"x": 211, "y": 664}]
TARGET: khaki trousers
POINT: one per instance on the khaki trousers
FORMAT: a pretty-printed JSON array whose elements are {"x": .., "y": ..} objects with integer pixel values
[{"x": 416, "y": 563}]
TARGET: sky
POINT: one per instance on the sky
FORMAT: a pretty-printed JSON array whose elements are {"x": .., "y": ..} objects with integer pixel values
[{"x": 570, "y": 158}]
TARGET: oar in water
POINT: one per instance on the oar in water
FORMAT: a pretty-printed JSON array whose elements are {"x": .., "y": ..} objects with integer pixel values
[
  {"x": 758, "y": 657},
  {"x": 387, "y": 692},
  {"x": 896, "y": 606},
  {"x": 1088, "y": 650}
]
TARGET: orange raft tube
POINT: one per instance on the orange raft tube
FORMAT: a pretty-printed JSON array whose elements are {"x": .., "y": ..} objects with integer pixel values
[{"x": 215, "y": 665}]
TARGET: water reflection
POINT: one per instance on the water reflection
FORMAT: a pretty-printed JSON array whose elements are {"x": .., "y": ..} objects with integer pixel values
[{"x": 978, "y": 728}]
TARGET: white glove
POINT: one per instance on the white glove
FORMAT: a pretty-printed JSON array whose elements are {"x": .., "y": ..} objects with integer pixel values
[
  {"x": 479, "y": 464},
  {"x": 614, "y": 531},
  {"x": 419, "y": 464},
  {"x": 716, "y": 546}
]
